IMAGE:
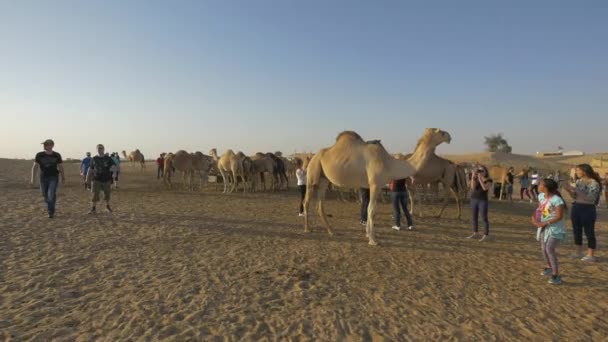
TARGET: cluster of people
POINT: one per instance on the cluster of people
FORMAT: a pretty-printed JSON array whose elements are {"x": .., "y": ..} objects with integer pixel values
[
  {"x": 99, "y": 174},
  {"x": 549, "y": 217},
  {"x": 102, "y": 170}
]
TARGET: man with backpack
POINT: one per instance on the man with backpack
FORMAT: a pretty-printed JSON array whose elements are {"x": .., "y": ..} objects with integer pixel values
[{"x": 101, "y": 173}]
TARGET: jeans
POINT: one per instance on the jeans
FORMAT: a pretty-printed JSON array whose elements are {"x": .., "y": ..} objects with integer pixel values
[
  {"x": 583, "y": 219},
  {"x": 478, "y": 205},
  {"x": 364, "y": 203},
  {"x": 302, "y": 189},
  {"x": 548, "y": 249},
  {"x": 48, "y": 186},
  {"x": 160, "y": 172},
  {"x": 399, "y": 200}
]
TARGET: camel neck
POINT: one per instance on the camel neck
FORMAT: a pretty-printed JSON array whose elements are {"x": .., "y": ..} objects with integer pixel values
[{"x": 420, "y": 156}]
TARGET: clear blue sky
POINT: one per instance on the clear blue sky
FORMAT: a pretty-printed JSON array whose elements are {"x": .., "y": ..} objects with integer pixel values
[{"x": 270, "y": 75}]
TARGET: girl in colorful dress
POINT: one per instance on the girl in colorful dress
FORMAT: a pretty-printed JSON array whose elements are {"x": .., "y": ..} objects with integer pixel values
[{"x": 551, "y": 225}]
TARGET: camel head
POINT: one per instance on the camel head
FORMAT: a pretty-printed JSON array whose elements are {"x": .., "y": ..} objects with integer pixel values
[
  {"x": 435, "y": 136},
  {"x": 124, "y": 153},
  {"x": 213, "y": 152}
]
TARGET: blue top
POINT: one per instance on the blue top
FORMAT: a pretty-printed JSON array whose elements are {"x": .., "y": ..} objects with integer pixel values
[
  {"x": 116, "y": 162},
  {"x": 84, "y": 165},
  {"x": 548, "y": 211}
]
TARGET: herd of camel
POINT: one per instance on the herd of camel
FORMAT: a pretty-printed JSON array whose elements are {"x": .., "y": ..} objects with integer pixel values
[{"x": 351, "y": 163}]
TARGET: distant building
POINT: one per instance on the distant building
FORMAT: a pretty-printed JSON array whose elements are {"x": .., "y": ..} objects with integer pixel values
[{"x": 560, "y": 153}]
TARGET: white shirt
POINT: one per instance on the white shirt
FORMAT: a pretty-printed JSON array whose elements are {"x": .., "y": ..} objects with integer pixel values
[
  {"x": 535, "y": 179},
  {"x": 301, "y": 175}
]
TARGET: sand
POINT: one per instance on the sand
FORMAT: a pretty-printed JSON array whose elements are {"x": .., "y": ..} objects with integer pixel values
[{"x": 177, "y": 265}]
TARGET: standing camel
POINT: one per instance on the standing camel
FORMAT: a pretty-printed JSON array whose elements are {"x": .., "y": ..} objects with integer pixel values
[
  {"x": 247, "y": 171},
  {"x": 437, "y": 171},
  {"x": 228, "y": 165},
  {"x": 261, "y": 165},
  {"x": 135, "y": 157},
  {"x": 352, "y": 162},
  {"x": 188, "y": 164}
]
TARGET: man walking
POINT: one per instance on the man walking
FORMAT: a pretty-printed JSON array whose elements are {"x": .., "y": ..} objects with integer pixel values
[
  {"x": 51, "y": 166},
  {"x": 84, "y": 169},
  {"x": 160, "y": 164},
  {"x": 100, "y": 172}
]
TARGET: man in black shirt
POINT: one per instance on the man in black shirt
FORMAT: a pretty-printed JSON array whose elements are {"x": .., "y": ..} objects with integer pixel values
[
  {"x": 100, "y": 172},
  {"x": 51, "y": 166}
]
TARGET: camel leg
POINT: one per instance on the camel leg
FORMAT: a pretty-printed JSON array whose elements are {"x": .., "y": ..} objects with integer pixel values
[
  {"x": 225, "y": 180},
  {"x": 446, "y": 200},
  {"x": 371, "y": 210},
  {"x": 411, "y": 196},
  {"x": 310, "y": 190},
  {"x": 323, "y": 183}
]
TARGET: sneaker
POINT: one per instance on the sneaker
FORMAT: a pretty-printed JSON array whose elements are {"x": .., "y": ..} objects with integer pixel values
[
  {"x": 396, "y": 228},
  {"x": 588, "y": 258},
  {"x": 301, "y": 214},
  {"x": 473, "y": 236},
  {"x": 109, "y": 209},
  {"x": 555, "y": 280},
  {"x": 410, "y": 228},
  {"x": 363, "y": 223},
  {"x": 546, "y": 272},
  {"x": 51, "y": 216},
  {"x": 484, "y": 238}
]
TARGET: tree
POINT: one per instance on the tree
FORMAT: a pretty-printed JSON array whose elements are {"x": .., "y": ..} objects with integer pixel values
[{"x": 497, "y": 143}]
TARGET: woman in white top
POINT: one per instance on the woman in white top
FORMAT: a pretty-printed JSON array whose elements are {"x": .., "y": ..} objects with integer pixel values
[
  {"x": 301, "y": 175},
  {"x": 535, "y": 180}
]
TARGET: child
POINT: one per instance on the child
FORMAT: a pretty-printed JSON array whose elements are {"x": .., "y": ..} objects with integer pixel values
[
  {"x": 549, "y": 219},
  {"x": 301, "y": 175}
]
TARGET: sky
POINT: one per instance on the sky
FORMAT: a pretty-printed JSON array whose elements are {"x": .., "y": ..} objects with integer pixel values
[{"x": 269, "y": 75}]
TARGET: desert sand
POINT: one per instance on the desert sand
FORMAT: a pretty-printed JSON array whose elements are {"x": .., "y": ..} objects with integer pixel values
[{"x": 180, "y": 265}]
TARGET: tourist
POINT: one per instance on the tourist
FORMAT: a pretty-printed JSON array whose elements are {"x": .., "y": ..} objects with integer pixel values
[
  {"x": 301, "y": 176},
  {"x": 399, "y": 197},
  {"x": 51, "y": 166},
  {"x": 116, "y": 160},
  {"x": 509, "y": 186},
  {"x": 480, "y": 184},
  {"x": 586, "y": 195},
  {"x": 100, "y": 172},
  {"x": 524, "y": 186},
  {"x": 549, "y": 220},
  {"x": 534, "y": 185},
  {"x": 84, "y": 168},
  {"x": 160, "y": 163}
]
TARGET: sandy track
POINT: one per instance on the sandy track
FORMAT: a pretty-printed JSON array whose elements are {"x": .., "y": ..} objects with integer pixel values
[{"x": 176, "y": 265}]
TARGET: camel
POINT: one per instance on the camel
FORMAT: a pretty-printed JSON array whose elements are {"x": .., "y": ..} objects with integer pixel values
[
  {"x": 279, "y": 172},
  {"x": 228, "y": 164},
  {"x": 290, "y": 165},
  {"x": 188, "y": 164},
  {"x": 135, "y": 157},
  {"x": 437, "y": 171},
  {"x": 262, "y": 164},
  {"x": 352, "y": 162},
  {"x": 248, "y": 171}
]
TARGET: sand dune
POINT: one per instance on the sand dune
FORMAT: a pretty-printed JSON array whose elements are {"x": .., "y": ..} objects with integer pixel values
[{"x": 176, "y": 265}]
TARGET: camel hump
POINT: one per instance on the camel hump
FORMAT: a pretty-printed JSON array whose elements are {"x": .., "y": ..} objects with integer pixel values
[{"x": 349, "y": 135}]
